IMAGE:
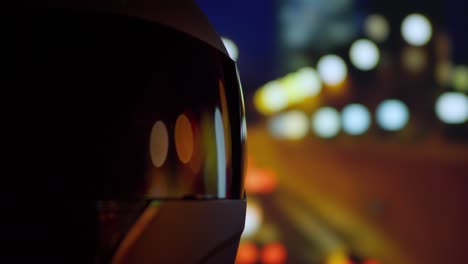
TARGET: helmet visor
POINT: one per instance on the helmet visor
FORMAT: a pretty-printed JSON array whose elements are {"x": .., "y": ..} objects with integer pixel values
[{"x": 128, "y": 108}]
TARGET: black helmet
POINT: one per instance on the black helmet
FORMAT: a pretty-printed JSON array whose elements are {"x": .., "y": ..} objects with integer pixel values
[{"x": 124, "y": 134}]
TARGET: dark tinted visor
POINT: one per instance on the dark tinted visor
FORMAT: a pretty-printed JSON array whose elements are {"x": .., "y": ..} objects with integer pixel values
[{"x": 116, "y": 107}]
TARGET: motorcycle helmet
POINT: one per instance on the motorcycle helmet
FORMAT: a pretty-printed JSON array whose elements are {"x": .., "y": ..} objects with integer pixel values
[{"x": 124, "y": 134}]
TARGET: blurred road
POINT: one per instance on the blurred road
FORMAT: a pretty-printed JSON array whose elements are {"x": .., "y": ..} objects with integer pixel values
[{"x": 402, "y": 203}]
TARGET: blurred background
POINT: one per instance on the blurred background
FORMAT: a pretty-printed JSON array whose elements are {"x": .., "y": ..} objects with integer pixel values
[{"x": 357, "y": 128}]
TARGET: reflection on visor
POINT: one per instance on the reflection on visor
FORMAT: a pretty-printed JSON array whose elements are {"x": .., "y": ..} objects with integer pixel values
[{"x": 193, "y": 160}]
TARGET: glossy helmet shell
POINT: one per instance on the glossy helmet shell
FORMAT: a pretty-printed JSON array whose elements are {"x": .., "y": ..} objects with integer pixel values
[{"x": 116, "y": 105}]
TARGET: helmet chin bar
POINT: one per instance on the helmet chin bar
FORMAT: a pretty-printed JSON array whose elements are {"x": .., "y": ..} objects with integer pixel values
[{"x": 184, "y": 231}]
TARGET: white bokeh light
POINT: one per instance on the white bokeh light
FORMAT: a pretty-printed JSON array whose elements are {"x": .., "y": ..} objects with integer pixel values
[
  {"x": 272, "y": 98},
  {"x": 231, "y": 48},
  {"x": 253, "y": 219},
  {"x": 308, "y": 81},
  {"x": 300, "y": 85},
  {"x": 392, "y": 115},
  {"x": 376, "y": 27},
  {"x": 326, "y": 122},
  {"x": 356, "y": 119},
  {"x": 332, "y": 69},
  {"x": 416, "y": 29},
  {"x": 364, "y": 54},
  {"x": 291, "y": 125},
  {"x": 452, "y": 108}
]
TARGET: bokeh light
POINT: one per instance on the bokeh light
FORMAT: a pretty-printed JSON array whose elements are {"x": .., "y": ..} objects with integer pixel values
[
  {"x": 253, "y": 219},
  {"x": 159, "y": 144},
  {"x": 332, "y": 69},
  {"x": 376, "y": 27},
  {"x": 231, "y": 48},
  {"x": 247, "y": 253},
  {"x": 291, "y": 125},
  {"x": 289, "y": 90},
  {"x": 308, "y": 81},
  {"x": 443, "y": 72},
  {"x": 356, "y": 119},
  {"x": 452, "y": 108},
  {"x": 460, "y": 78},
  {"x": 416, "y": 29},
  {"x": 271, "y": 98},
  {"x": 371, "y": 261},
  {"x": 260, "y": 180},
  {"x": 392, "y": 115},
  {"x": 338, "y": 257},
  {"x": 414, "y": 59},
  {"x": 326, "y": 122},
  {"x": 364, "y": 54},
  {"x": 274, "y": 253},
  {"x": 301, "y": 85}
]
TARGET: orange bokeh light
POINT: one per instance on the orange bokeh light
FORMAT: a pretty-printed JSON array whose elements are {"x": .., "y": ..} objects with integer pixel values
[
  {"x": 260, "y": 181},
  {"x": 274, "y": 253},
  {"x": 247, "y": 253}
]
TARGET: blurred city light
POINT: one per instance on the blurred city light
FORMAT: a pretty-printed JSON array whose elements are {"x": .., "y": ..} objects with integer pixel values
[
  {"x": 231, "y": 48},
  {"x": 159, "y": 144},
  {"x": 260, "y": 181},
  {"x": 356, "y": 119},
  {"x": 274, "y": 253},
  {"x": 416, "y": 29},
  {"x": 291, "y": 125},
  {"x": 371, "y": 261},
  {"x": 326, "y": 122},
  {"x": 414, "y": 59},
  {"x": 302, "y": 84},
  {"x": 332, "y": 69},
  {"x": 268, "y": 233},
  {"x": 289, "y": 90},
  {"x": 337, "y": 71},
  {"x": 376, "y": 27},
  {"x": 253, "y": 219},
  {"x": 308, "y": 81},
  {"x": 183, "y": 138},
  {"x": 272, "y": 97},
  {"x": 460, "y": 78},
  {"x": 443, "y": 72},
  {"x": 247, "y": 253},
  {"x": 338, "y": 257},
  {"x": 392, "y": 115},
  {"x": 452, "y": 108},
  {"x": 364, "y": 54}
]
